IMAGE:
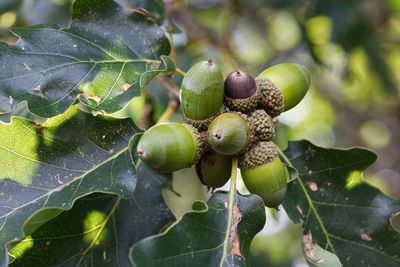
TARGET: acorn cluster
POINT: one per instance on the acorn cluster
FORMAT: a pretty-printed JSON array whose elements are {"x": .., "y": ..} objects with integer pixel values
[{"x": 226, "y": 118}]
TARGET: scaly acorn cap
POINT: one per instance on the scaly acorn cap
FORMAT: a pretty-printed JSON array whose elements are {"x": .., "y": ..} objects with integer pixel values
[
  {"x": 203, "y": 124},
  {"x": 241, "y": 92},
  {"x": 202, "y": 93},
  {"x": 171, "y": 146},
  {"x": 264, "y": 174},
  {"x": 272, "y": 100},
  {"x": 229, "y": 133},
  {"x": 258, "y": 155},
  {"x": 293, "y": 80},
  {"x": 214, "y": 169},
  {"x": 263, "y": 125}
]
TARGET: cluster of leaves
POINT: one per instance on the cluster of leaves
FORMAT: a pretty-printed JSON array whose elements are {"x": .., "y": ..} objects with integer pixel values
[{"x": 71, "y": 193}]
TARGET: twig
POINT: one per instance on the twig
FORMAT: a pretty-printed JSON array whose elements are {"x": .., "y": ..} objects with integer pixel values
[
  {"x": 169, "y": 111},
  {"x": 283, "y": 156},
  {"x": 174, "y": 101},
  {"x": 145, "y": 121},
  {"x": 232, "y": 188},
  {"x": 171, "y": 88},
  {"x": 180, "y": 72}
]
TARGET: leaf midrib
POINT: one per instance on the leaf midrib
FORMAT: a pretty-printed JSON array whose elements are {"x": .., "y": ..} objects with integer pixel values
[
  {"x": 314, "y": 210},
  {"x": 56, "y": 189}
]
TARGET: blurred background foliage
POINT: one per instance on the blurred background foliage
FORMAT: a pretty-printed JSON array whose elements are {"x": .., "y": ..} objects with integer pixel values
[{"x": 351, "y": 47}]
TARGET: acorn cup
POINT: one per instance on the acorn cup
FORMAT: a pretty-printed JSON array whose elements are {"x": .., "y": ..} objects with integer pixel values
[
  {"x": 282, "y": 87},
  {"x": 202, "y": 93},
  {"x": 229, "y": 133},
  {"x": 241, "y": 92},
  {"x": 264, "y": 174},
  {"x": 214, "y": 169},
  {"x": 171, "y": 146},
  {"x": 263, "y": 125}
]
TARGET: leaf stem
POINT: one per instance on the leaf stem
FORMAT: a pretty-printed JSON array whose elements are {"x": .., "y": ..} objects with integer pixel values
[
  {"x": 174, "y": 102},
  {"x": 309, "y": 200},
  {"x": 283, "y": 156},
  {"x": 180, "y": 72},
  {"x": 233, "y": 178},
  {"x": 231, "y": 202}
]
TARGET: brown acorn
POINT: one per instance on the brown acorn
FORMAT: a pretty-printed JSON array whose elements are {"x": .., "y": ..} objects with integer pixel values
[{"x": 241, "y": 92}]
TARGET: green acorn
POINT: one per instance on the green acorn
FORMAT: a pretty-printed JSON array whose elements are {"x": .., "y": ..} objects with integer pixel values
[
  {"x": 292, "y": 80},
  {"x": 202, "y": 93},
  {"x": 264, "y": 174},
  {"x": 214, "y": 169},
  {"x": 171, "y": 146},
  {"x": 263, "y": 125},
  {"x": 241, "y": 92},
  {"x": 229, "y": 133}
]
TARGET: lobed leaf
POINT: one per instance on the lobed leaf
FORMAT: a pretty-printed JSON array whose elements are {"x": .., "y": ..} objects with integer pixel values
[
  {"x": 210, "y": 235},
  {"x": 50, "y": 165},
  {"x": 99, "y": 229},
  {"x": 343, "y": 215},
  {"x": 99, "y": 60}
]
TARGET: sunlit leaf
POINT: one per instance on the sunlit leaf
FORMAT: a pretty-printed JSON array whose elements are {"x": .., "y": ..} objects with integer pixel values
[
  {"x": 99, "y": 229},
  {"x": 50, "y": 165}
]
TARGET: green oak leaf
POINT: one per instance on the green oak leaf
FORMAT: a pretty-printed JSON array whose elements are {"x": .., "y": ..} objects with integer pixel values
[
  {"x": 343, "y": 214},
  {"x": 99, "y": 229},
  {"x": 50, "y": 165},
  {"x": 317, "y": 256},
  {"x": 210, "y": 235},
  {"x": 99, "y": 60}
]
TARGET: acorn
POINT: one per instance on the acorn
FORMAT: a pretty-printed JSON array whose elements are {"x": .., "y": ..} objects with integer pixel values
[
  {"x": 229, "y": 133},
  {"x": 263, "y": 125},
  {"x": 171, "y": 146},
  {"x": 214, "y": 169},
  {"x": 241, "y": 92},
  {"x": 291, "y": 80},
  {"x": 202, "y": 94},
  {"x": 264, "y": 174}
]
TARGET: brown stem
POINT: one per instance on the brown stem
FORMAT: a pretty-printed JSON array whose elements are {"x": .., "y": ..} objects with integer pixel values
[{"x": 173, "y": 92}]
